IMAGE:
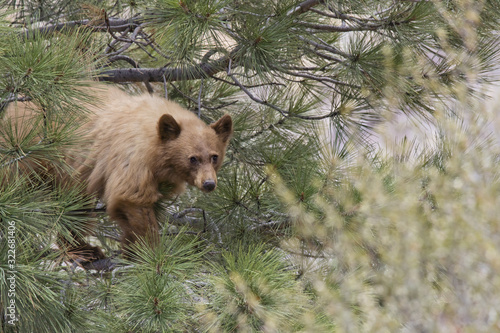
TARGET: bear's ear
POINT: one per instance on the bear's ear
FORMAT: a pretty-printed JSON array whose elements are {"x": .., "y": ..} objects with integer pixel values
[
  {"x": 168, "y": 129},
  {"x": 223, "y": 127}
]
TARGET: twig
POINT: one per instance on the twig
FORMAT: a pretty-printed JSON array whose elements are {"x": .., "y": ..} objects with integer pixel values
[
  {"x": 199, "y": 99},
  {"x": 250, "y": 86},
  {"x": 217, "y": 231},
  {"x": 111, "y": 45},
  {"x": 186, "y": 211},
  {"x": 19, "y": 158},
  {"x": 271, "y": 126},
  {"x": 12, "y": 98},
  {"x": 272, "y": 106},
  {"x": 165, "y": 86},
  {"x": 252, "y": 97},
  {"x": 326, "y": 47},
  {"x": 128, "y": 43},
  {"x": 204, "y": 106},
  {"x": 266, "y": 224}
]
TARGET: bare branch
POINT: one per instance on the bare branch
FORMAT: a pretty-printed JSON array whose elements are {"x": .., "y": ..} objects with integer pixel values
[
  {"x": 111, "y": 45},
  {"x": 250, "y": 86},
  {"x": 269, "y": 224},
  {"x": 345, "y": 17},
  {"x": 128, "y": 42},
  {"x": 124, "y": 58},
  {"x": 322, "y": 79}
]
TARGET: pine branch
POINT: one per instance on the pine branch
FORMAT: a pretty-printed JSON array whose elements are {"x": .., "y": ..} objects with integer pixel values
[
  {"x": 325, "y": 46},
  {"x": 336, "y": 28},
  {"x": 201, "y": 105},
  {"x": 194, "y": 72},
  {"x": 111, "y": 25},
  {"x": 12, "y": 98},
  {"x": 16, "y": 159},
  {"x": 304, "y": 7},
  {"x": 266, "y": 225},
  {"x": 284, "y": 113}
]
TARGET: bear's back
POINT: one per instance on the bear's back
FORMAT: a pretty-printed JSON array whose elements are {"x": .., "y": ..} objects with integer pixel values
[{"x": 136, "y": 117}]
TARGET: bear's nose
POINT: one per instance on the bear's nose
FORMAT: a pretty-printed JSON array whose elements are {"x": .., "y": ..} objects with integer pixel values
[{"x": 209, "y": 185}]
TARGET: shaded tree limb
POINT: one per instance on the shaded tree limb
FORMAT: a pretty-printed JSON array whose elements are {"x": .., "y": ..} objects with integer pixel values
[
  {"x": 111, "y": 25},
  {"x": 194, "y": 72}
]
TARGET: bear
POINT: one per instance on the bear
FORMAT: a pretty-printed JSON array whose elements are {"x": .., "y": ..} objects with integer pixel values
[{"x": 131, "y": 146}]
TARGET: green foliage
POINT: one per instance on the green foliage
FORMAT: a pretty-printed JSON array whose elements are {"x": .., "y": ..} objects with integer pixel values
[
  {"x": 187, "y": 27},
  {"x": 313, "y": 226},
  {"x": 30, "y": 217},
  {"x": 254, "y": 290},
  {"x": 151, "y": 294},
  {"x": 37, "y": 295},
  {"x": 48, "y": 71},
  {"x": 152, "y": 303},
  {"x": 39, "y": 212},
  {"x": 175, "y": 257}
]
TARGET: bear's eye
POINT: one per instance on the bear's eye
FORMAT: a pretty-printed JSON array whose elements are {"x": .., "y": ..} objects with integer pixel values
[
  {"x": 214, "y": 159},
  {"x": 193, "y": 160}
]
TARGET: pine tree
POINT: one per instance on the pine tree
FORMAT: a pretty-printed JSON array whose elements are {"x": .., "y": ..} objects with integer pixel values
[{"x": 311, "y": 228}]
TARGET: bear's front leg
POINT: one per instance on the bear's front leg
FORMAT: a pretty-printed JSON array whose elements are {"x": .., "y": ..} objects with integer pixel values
[{"x": 136, "y": 221}]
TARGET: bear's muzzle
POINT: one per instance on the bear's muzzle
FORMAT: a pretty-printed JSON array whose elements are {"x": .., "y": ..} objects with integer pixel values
[{"x": 208, "y": 185}]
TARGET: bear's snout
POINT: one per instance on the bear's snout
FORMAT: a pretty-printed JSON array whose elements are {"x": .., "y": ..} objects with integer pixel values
[{"x": 208, "y": 185}]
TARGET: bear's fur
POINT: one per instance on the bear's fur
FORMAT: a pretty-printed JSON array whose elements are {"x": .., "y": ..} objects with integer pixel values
[{"x": 134, "y": 144}]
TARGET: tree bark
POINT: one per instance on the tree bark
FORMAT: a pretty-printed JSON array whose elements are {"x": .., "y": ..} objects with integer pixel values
[{"x": 195, "y": 72}]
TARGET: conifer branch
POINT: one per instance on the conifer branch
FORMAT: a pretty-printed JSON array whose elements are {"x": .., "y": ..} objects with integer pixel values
[
  {"x": 21, "y": 157},
  {"x": 336, "y": 28},
  {"x": 194, "y": 72},
  {"x": 284, "y": 113},
  {"x": 304, "y": 7},
  {"x": 201, "y": 104},
  {"x": 111, "y": 25},
  {"x": 326, "y": 47},
  {"x": 253, "y": 97},
  {"x": 12, "y": 98}
]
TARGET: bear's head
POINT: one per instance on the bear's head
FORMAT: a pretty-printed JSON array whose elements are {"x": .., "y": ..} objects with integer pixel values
[{"x": 193, "y": 151}]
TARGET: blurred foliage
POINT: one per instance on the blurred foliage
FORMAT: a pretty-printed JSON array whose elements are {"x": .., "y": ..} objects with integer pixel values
[{"x": 313, "y": 227}]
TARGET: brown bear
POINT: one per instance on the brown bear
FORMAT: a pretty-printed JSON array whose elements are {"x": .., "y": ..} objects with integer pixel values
[{"x": 134, "y": 144}]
